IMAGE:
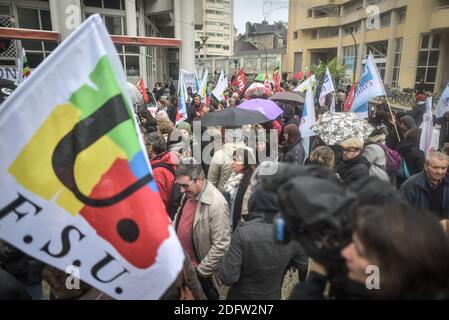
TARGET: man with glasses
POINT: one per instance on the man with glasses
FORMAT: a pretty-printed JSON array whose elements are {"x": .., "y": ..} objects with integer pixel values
[
  {"x": 354, "y": 166},
  {"x": 202, "y": 225}
]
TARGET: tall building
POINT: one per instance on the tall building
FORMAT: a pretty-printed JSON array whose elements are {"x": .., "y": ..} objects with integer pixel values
[
  {"x": 218, "y": 29},
  {"x": 154, "y": 38},
  {"x": 409, "y": 39}
]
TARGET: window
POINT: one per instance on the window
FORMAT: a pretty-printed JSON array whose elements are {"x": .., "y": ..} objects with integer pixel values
[
  {"x": 116, "y": 25},
  {"x": 428, "y": 58},
  {"x": 397, "y": 62},
  {"x": 324, "y": 33},
  {"x": 309, "y": 13},
  {"x": 352, "y": 28},
  {"x": 295, "y": 35},
  {"x": 326, "y": 11},
  {"x": 385, "y": 20},
  {"x": 130, "y": 59},
  {"x": 106, "y": 4},
  {"x": 402, "y": 15},
  {"x": 379, "y": 51},
  {"x": 37, "y": 19},
  {"x": 225, "y": 47}
]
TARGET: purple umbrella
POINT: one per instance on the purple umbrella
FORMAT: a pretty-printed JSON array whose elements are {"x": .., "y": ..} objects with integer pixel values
[{"x": 267, "y": 107}]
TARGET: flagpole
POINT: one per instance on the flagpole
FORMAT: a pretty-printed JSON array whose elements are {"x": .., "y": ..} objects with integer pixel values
[{"x": 393, "y": 118}]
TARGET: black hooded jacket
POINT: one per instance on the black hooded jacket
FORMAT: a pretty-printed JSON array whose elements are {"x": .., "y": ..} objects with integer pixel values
[
  {"x": 353, "y": 169},
  {"x": 254, "y": 265}
]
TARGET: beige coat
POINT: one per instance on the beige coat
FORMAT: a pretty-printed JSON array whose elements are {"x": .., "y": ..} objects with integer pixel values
[
  {"x": 221, "y": 165},
  {"x": 211, "y": 231}
]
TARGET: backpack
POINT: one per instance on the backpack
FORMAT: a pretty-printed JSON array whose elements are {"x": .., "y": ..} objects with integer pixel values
[
  {"x": 175, "y": 196},
  {"x": 403, "y": 170},
  {"x": 393, "y": 158}
]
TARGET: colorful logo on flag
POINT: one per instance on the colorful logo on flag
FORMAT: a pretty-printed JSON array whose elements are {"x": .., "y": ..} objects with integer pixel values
[{"x": 88, "y": 160}]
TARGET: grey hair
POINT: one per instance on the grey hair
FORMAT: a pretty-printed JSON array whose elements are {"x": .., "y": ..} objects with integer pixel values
[
  {"x": 156, "y": 141},
  {"x": 438, "y": 155},
  {"x": 193, "y": 171}
]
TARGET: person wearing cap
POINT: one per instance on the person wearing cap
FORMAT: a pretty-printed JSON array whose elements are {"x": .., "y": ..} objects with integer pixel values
[
  {"x": 186, "y": 130},
  {"x": 354, "y": 166},
  {"x": 419, "y": 109}
]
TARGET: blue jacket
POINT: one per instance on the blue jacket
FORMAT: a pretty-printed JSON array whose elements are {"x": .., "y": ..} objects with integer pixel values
[{"x": 416, "y": 194}]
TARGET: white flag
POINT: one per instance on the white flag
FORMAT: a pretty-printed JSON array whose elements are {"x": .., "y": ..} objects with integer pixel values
[
  {"x": 426, "y": 143},
  {"x": 308, "y": 118},
  {"x": 221, "y": 86},
  {"x": 304, "y": 85},
  {"x": 76, "y": 185},
  {"x": 370, "y": 86},
  {"x": 443, "y": 104},
  {"x": 203, "y": 86},
  {"x": 327, "y": 87}
]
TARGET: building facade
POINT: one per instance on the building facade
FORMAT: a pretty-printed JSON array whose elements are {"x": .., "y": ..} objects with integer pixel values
[
  {"x": 409, "y": 39},
  {"x": 218, "y": 29},
  {"x": 270, "y": 36},
  {"x": 141, "y": 18}
]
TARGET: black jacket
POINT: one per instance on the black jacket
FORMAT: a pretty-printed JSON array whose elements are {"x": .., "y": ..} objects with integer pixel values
[
  {"x": 294, "y": 153},
  {"x": 353, "y": 169},
  {"x": 444, "y": 131},
  {"x": 11, "y": 288},
  {"x": 254, "y": 265},
  {"x": 416, "y": 194},
  {"x": 413, "y": 156},
  {"x": 314, "y": 289}
]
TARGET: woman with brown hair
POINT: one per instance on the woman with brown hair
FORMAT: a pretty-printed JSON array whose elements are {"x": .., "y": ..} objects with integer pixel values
[
  {"x": 293, "y": 150},
  {"x": 407, "y": 246},
  {"x": 236, "y": 189}
]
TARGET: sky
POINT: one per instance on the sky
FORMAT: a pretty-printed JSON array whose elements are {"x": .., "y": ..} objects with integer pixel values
[{"x": 252, "y": 11}]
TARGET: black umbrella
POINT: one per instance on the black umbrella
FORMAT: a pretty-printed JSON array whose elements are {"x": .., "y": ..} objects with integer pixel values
[
  {"x": 288, "y": 97},
  {"x": 233, "y": 117},
  {"x": 6, "y": 89}
]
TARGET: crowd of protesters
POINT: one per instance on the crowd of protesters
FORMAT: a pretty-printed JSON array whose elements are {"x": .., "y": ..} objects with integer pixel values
[{"x": 347, "y": 198}]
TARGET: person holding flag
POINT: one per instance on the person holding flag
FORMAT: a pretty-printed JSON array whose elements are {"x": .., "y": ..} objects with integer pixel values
[{"x": 370, "y": 86}]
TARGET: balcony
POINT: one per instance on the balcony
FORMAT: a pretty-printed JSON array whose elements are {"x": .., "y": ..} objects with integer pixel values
[
  {"x": 315, "y": 23},
  {"x": 439, "y": 19}
]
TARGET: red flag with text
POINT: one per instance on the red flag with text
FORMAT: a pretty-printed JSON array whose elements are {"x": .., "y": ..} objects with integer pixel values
[
  {"x": 350, "y": 99},
  {"x": 143, "y": 90}
]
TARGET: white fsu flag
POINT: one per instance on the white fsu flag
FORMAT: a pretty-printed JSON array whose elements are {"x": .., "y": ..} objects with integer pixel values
[
  {"x": 76, "y": 185},
  {"x": 370, "y": 87}
]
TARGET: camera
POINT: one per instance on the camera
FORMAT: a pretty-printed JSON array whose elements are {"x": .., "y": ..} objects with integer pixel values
[{"x": 316, "y": 210}]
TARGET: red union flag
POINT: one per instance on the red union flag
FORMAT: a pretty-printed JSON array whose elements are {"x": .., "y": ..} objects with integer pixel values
[
  {"x": 239, "y": 83},
  {"x": 143, "y": 90},
  {"x": 350, "y": 99},
  {"x": 77, "y": 187},
  {"x": 267, "y": 85}
]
